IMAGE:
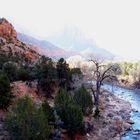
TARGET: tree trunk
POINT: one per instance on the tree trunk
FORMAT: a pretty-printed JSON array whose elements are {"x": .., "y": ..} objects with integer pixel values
[
  {"x": 97, "y": 99},
  {"x": 97, "y": 94}
]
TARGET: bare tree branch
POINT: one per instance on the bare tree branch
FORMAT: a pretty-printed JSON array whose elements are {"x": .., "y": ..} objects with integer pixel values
[
  {"x": 103, "y": 75},
  {"x": 100, "y": 76}
]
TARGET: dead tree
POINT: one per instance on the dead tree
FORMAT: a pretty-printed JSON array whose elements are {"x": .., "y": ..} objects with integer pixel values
[{"x": 101, "y": 73}]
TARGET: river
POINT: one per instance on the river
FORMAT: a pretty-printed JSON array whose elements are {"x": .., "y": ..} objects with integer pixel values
[{"x": 132, "y": 96}]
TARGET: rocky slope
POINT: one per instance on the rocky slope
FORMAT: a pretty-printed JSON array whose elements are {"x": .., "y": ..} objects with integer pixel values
[{"x": 10, "y": 46}]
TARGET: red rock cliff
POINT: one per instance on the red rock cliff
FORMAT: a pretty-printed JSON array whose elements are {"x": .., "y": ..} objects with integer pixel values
[{"x": 7, "y": 31}]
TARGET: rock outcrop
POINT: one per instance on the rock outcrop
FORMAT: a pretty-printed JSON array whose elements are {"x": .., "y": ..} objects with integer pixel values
[
  {"x": 7, "y": 31},
  {"x": 10, "y": 45}
]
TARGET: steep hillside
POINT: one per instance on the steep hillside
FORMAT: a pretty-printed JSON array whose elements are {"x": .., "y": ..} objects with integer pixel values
[
  {"x": 11, "y": 47},
  {"x": 42, "y": 46}
]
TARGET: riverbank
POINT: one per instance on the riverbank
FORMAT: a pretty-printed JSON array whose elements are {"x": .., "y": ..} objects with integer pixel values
[{"x": 114, "y": 119}]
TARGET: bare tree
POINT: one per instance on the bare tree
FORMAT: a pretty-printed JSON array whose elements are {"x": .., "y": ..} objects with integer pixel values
[{"x": 101, "y": 72}]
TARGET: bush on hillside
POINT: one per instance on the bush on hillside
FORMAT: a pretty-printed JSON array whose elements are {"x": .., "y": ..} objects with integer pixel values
[
  {"x": 46, "y": 87},
  {"x": 69, "y": 113},
  {"x": 83, "y": 98},
  {"x": 62, "y": 100},
  {"x": 26, "y": 122},
  {"x": 5, "y": 93},
  {"x": 46, "y": 77},
  {"x": 76, "y": 71},
  {"x": 23, "y": 74},
  {"x": 64, "y": 74},
  {"x": 11, "y": 70},
  {"x": 49, "y": 111},
  {"x": 72, "y": 117}
]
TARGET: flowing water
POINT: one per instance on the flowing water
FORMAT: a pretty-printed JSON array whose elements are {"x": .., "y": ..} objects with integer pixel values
[{"x": 133, "y": 97}]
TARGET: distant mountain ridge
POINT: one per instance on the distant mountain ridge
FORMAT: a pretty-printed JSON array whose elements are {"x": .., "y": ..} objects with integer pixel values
[
  {"x": 42, "y": 46},
  {"x": 67, "y": 43}
]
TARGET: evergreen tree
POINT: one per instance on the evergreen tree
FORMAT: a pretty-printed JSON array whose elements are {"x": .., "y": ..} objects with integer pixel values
[
  {"x": 26, "y": 122},
  {"x": 73, "y": 119},
  {"x": 5, "y": 93},
  {"x": 69, "y": 113},
  {"x": 46, "y": 77},
  {"x": 83, "y": 98},
  {"x": 62, "y": 100},
  {"x": 64, "y": 74},
  {"x": 49, "y": 111}
]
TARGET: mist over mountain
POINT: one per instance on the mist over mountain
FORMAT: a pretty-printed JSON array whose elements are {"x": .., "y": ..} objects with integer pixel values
[
  {"x": 71, "y": 39},
  {"x": 66, "y": 43}
]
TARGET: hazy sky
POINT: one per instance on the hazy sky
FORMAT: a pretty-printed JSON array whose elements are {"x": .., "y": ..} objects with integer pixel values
[{"x": 112, "y": 24}]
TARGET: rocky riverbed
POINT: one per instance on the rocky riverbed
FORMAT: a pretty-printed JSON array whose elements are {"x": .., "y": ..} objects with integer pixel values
[{"x": 114, "y": 119}]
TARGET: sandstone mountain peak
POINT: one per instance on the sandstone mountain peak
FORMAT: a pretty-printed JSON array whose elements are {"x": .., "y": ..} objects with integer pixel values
[{"x": 7, "y": 31}]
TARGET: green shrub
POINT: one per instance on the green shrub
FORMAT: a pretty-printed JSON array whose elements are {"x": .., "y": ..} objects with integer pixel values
[
  {"x": 64, "y": 74},
  {"x": 5, "y": 93},
  {"x": 26, "y": 122},
  {"x": 73, "y": 119},
  {"x": 46, "y": 74},
  {"x": 23, "y": 74},
  {"x": 83, "y": 98},
  {"x": 69, "y": 112},
  {"x": 76, "y": 71},
  {"x": 11, "y": 70},
  {"x": 62, "y": 99},
  {"x": 46, "y": 86},
  {"x": 49, "y": 111}
]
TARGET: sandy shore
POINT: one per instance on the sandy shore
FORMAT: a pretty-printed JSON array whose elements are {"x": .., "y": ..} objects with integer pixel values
[{"x": 114, "y": 119}]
